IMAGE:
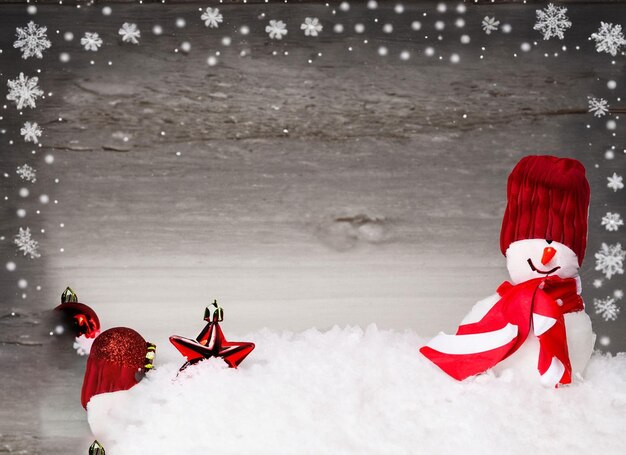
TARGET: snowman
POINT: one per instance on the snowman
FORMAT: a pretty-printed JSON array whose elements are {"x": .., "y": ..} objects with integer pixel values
[{"x": 535, "y": 324}]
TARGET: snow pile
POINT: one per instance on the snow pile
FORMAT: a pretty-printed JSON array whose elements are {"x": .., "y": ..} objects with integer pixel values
[{"x": 354, "y": 391}]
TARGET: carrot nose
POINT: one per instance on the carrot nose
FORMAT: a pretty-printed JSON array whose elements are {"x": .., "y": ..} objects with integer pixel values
[{"x": 548, "y": 254}]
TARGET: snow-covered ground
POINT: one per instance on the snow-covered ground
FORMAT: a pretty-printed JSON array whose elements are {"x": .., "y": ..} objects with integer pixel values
[{"x": 357, "y": 391}]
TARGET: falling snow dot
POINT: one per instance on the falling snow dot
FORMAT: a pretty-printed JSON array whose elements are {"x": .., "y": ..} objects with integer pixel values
[
  {"x": 372, "y": 4},
  {"x": 429, "y": 51},
  {"x": 611, "y": 125},
  {"x": 44, "y": 198},
  {"x": 180, "y": 22},
  {"x": 244, "y": 30},
  {"x": 21, "y": 213},
  {"x": 506, "y": 28},
  {"x": 107, "y": 10},
  {"x": 64, "y": 57},
  {"x": 157, "y": 29},
  {"x": 440, "y": 25},
  {"x": 405, "y": 55},
  {"x": 24, "y": 192},
  {"x": 388, "y": 28},
  {"x": 461, "y": 8},
  {"x": 185, "y": 46},
  {"x": 68, "y": 36},
  {"x": 609, "y": 154},
  {"x": 611, "y": 84},
  {"x": 22, "y": 283},
  {"x": 399, "y": 8},
  {"x": 460, "y": 23},
  {"x": 226, "y": 41},
  {"x": 211, "y": 61},
  {"x": 465, "y": 39},
  {"x": 344, "y": 6},
  {"x": 49, "y": 159},
  {"x": 416, "y": 25},
  {"x": 338, "y": 28},
  {"x": 59, "y": 330},
  {"x": 359, "y": 28},
  {"x": 525, "y": 47},
  {"x": 62, "y": 250},
  {"x": 11, "y": 266},
  {"x": 454, "y": 58},
  {"x": 605, "y": 341},
  {"x": 32, "y": 10},
  {"x": 382, "y": 51}
]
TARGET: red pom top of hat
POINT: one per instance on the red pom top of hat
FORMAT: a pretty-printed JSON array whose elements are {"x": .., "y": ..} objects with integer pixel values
[{"x": 547, "y": 198}]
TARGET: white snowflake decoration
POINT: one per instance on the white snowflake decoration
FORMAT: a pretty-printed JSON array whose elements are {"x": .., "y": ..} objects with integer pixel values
[
  {"x": 490, "y": 24},
  {"x": 130, "y": 33},
  {"x": 612, "y": 221},
  {"x": 615, "y": 182},
  {"x": 32, "y": 40},
  {"x": 24, "y": 91},
  {"x": 26, "y": 244},
  {"x": 597, "y": 283},
  {"x": 610, "y": 260},
  {"x": 276, "y": 29},
  {"x": 311, "y": 26},
  {"x": 599, "y": 106},
  {"x": 91, "y": 41},
  {"x": 82, "y": 345},
  {"x": 607, "y": 308},
  {"x": 27, "y": 173},
  {"x": 552, "y": 21},
  {"x": 212, "y": 17},
  {"x": 31, "y": 132},
  {"x": 609, "y": 38}
]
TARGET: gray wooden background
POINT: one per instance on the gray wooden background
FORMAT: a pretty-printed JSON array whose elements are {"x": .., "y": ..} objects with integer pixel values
[{"x": 352, "y": 189}]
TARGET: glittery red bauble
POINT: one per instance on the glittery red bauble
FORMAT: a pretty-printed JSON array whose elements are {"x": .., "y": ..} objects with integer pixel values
[
  {"x": 120, "y": 345},
  {"x": 116, "y": 362}
]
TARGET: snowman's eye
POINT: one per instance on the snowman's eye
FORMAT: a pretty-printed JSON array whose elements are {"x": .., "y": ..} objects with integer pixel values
[{"x": 549, "y": 241}]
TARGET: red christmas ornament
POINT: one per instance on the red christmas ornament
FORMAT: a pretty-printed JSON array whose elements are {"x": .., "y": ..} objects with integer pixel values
[
  {"x": 212, "y": 343},
  {"x": 118, "y": 359},
  {"x": 79, "y": 317}
]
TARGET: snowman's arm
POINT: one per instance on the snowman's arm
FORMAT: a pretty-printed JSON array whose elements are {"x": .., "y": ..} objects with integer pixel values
[{"x": 480, "y": 309}]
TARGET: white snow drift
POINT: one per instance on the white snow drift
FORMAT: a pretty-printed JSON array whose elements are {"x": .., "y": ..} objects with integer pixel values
[{"x": 355, "y": 391}]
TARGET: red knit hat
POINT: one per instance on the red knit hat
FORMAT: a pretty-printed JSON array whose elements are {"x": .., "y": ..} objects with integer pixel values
[{"x": 547, "y": 198}]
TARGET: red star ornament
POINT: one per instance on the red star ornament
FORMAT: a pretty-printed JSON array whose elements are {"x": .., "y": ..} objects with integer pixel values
[{"x": 212, "y": 343}]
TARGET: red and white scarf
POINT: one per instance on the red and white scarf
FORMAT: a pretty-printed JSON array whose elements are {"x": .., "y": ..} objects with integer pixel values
[{"x": 539, "y": 303}]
